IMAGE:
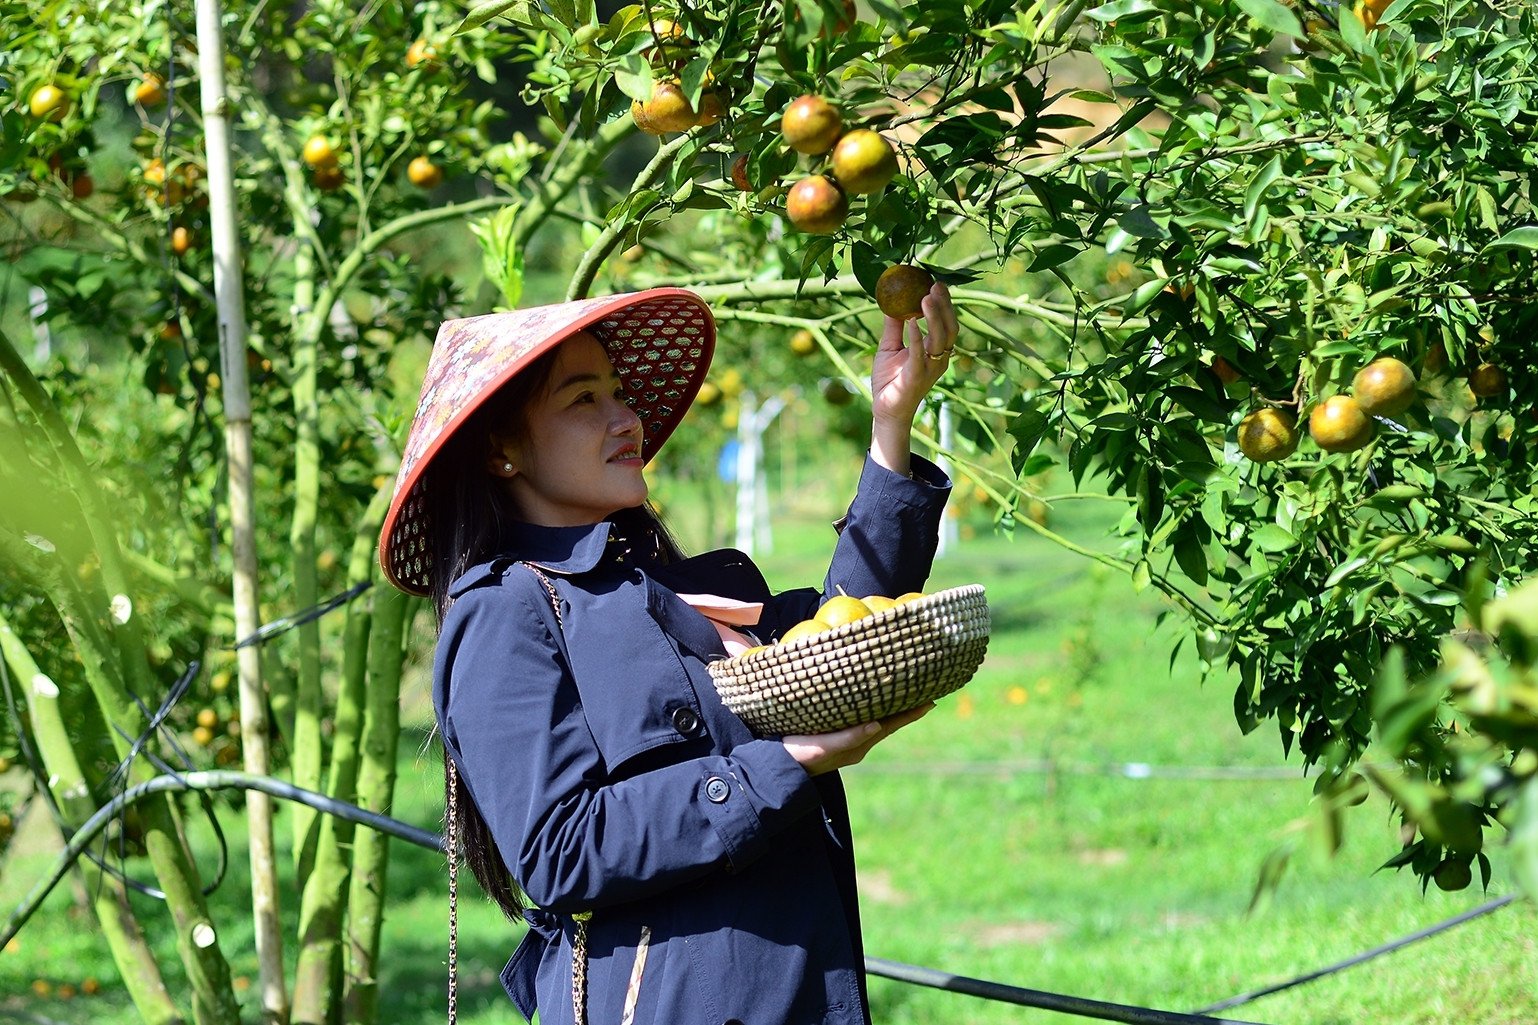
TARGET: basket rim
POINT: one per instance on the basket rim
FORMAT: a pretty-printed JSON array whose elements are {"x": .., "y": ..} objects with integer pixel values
[{"x": 747, "y": 662}]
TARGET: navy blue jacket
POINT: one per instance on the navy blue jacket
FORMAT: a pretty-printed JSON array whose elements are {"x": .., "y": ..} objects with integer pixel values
[{"x": 615, "y": 781}]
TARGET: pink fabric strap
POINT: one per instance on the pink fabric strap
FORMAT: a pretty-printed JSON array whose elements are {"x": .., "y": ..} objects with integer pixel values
[{"x": 726, "y": 613}]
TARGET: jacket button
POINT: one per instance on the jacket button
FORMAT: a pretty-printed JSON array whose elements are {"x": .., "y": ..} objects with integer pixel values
[
  {"x": 717, "y": 790},
  {"x": 685, "y": 721}
]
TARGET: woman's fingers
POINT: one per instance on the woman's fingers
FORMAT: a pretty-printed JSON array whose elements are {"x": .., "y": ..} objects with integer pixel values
[{"x": 824, "y": 752}]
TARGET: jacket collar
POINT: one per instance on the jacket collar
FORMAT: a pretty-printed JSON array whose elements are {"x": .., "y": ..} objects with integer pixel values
[{"x": 573, "y": 550}]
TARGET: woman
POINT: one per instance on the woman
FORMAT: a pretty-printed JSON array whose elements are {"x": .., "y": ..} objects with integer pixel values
[{"x": 671, "y": 866}]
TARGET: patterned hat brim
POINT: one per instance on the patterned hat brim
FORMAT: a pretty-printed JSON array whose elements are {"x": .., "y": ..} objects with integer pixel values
[{"x": 660, "y": 342}]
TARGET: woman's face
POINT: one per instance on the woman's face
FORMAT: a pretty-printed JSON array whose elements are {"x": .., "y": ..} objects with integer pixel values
[{"x": 579, "y": 459}]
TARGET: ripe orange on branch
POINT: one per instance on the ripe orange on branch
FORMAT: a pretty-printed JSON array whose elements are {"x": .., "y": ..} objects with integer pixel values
[
  {"x": 421, "y": 52},
  {"x": 901, "y": 289},
  {"x": 48, "y": 102},
  {"x": 1338, "y": 424},
  {"x": 150, "y": 92},
  {"x": 816, "y": 205},
  {"x": 811, "y": 125},
  {"x": 423, "y": 173},
  {"x": 863, "y": 161},
  {"x": 1487, "y": 380},
  {"x": 1384, "y": 387},
  {"x": 1268, "y": 434},
  {"x": 318, "y": 151},
  {"x": 668, "y": 110}
]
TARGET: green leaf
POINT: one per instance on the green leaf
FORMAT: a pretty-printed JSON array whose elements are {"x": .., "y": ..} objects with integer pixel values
[
  {"x": 1120, "y": 9},
  {"x": 1051, "y": 256},
  {"x": 1258, "y": 186},
  {"x": 1517, "y": 238},
  {"x": 1272, "y": 15},
  {"x": 516, "y": 11},
  {"x": 1271, "y": 538}
]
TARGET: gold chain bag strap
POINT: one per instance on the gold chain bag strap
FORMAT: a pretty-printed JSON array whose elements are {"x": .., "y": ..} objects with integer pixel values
[{"x": 451, "y": 851}]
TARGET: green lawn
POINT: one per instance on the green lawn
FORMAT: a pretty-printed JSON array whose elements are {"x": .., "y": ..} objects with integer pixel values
[{"x": 977, "y": 861}]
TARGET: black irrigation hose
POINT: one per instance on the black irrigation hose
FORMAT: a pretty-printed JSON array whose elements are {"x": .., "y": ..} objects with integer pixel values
[
  {"x": 1366, "y": 955},
  {"x": 1062, "y": 1003},
  {"x": 1080, "y": 1006},
  {"x": 202, "y": 781}
]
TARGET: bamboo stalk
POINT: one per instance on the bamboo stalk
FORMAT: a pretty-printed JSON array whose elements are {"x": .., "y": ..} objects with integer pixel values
[
  {"x": 106, "y": 630},
  {"x": 136, "y": 965},
  {"x": 323, "y": 905},
  {"x": 376, "y": 789},
  {"x": 229, "y": 297}
]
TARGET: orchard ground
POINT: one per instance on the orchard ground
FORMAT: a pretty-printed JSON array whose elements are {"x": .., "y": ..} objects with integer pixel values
[{"x": 972, "y": 859}]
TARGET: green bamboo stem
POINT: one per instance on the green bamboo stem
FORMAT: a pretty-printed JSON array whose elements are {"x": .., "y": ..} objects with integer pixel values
[
  {"x": 136, "y": 965},
  {"x": 306, "y": 711},
  {"x": 323, "y": 904},
  {"x": 376, "y": 791},
  {"x": 110, "y": 641}
]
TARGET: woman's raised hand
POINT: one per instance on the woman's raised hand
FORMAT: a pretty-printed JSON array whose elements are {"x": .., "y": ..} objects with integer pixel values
[
  {"x": 911, "y": 358},
  {"x": 824, "y": 752}
]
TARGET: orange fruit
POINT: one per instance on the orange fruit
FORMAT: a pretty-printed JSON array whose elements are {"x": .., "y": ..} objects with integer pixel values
[
  {"x": 803, "y": 343},
  {"x": 740, "y": 173},
  {"x": 905, "y": 598},
  {"x": 1226, "y": 371},
  {"x": 208, "y": 718},
  {"x": 203, "y": 736},
  {"x": 811, "y": 125},
  {"x": 181, "y": 240},
  {"x": 901, "y": 289},
  {"x": 81, "y": 186},
  {"x": 841, "y": 609},
  {"x": 753, "y": 650},
  {"x": 318, "y": 151},
  {"x": 668, "y": 109},
  {"x": 1487, "y": 380},
  {"x": 423, "y": 173},
  {"x": 708, "y": 395},
  {"x": 151, "y": 91},
  {"x": 328, "y": 178},
  {"x": 1268, "y": 434},
  {"x": 1338, "y": 424},
  {"x": 1435, "y": 360},
  {"x": 48, "y": 102},
  {"x": 879, "y": 602},
  {"x": 863, "y": 162},
  {"x": 421, "y": 52},
  {"x": 642, "y": 121},
  {"x": 712, "y": 109},
  {"x": 817, "y": 206},
  {"x": 1384, "y": 387},
  {"x": 805, "y": 628},
  {"x": 1453, "y": 875},
  {"x": 836, "y": 393}
]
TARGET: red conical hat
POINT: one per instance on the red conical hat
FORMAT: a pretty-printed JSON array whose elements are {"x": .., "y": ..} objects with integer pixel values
[{"x": 660, "y": 342}]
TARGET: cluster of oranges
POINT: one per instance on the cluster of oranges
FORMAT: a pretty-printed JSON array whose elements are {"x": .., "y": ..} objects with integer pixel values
[
  {"x": 668, "y": 109},
  {"x": 838, "y": 610},
  {"x": 1346, "y": 422}
]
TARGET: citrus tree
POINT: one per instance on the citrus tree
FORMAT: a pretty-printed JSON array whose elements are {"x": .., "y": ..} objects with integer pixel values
[{"x": 1263, "y": 270}]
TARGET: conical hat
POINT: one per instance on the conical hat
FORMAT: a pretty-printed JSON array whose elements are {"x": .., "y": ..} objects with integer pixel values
[{"x": 660, "y": 342}]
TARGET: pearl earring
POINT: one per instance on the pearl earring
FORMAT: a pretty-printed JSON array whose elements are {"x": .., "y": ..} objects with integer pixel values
[{"x": 507, "y": 467}]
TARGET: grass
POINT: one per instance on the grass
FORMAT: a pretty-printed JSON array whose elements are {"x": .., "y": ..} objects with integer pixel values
[{"x": 976, "y": 861}]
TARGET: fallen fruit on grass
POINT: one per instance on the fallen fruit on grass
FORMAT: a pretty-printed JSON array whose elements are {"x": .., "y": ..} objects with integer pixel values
[
  {"x": 901, "y": 289},
  {"x": 863, "y": 162},
  {"x": 1338, "y": 424},
  {"x": 816, "y": 205},
  {"x": 1268, "y": 434},
  {"x": 1384, "y": 387},
  {"x": 811, "y": 125}
]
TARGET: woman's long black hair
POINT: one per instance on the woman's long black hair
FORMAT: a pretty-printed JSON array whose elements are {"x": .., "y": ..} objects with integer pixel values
[{"x": 468, "y": 511}]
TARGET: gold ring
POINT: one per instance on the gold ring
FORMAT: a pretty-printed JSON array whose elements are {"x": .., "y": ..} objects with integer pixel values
[{"x": 941, "y": 354}]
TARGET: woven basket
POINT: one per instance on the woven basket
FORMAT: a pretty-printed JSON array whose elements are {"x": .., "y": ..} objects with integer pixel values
[{"x": 878, "y": 666}]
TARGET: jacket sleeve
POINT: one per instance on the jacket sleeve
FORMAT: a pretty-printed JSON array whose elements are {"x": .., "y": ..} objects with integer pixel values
[
  {"x": 512, "y": 718},
  {"x": 886, "y": 542}
]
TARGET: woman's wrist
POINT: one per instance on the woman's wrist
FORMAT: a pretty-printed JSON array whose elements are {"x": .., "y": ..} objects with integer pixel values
[{"x": 891, "y": 444}]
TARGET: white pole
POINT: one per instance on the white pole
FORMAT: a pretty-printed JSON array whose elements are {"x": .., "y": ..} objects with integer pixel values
[
  {"x": 747, "y": 468},
  {"x": 229, "y": 297}
]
